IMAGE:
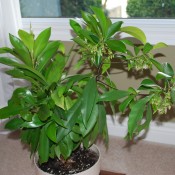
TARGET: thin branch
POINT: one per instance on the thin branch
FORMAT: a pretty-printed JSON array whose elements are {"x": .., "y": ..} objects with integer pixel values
[{"x": 106, "y": 84}]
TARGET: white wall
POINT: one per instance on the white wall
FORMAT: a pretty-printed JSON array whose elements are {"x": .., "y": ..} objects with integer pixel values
[{"x": 158, "y": 132}]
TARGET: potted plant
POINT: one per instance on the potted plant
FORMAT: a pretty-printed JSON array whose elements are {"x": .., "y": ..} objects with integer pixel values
[{"x": 60, "y": 114}]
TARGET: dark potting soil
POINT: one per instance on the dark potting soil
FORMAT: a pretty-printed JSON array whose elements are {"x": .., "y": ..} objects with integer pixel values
[{"x": 80, "y": 160}]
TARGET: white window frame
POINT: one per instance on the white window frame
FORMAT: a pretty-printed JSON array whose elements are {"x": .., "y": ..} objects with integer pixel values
[{"x": 156, "y": 30}]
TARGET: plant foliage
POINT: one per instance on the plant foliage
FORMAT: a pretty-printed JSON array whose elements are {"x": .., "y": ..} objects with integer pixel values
[{"x": 58, "y": 112}]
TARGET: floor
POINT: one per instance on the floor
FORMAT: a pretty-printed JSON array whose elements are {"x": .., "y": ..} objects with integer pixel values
[{"x": 143, "y": 158}]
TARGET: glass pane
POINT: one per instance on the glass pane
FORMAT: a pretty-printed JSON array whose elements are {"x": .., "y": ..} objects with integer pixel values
[
  {"x": 40, "y": 8},
  {"x": 114, "y": 8}
]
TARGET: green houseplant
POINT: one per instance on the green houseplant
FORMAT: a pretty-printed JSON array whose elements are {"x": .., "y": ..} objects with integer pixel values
[{"x": 58, "y": 112}]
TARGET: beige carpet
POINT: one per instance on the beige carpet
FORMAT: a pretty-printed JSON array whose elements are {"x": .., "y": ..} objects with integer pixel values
[{"x": 143, "y": 158}]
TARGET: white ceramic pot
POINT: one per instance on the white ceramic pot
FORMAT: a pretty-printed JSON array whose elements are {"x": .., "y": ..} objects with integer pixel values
[{"x": 94, "y": 170}]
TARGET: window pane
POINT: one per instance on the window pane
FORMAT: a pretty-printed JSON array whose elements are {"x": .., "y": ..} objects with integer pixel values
[
  {"x": 40, "y": 8},
  {"x": 114, "y": 8},
  {"x": 151, "y": 8},
  {"x": 56, "y": 8}
]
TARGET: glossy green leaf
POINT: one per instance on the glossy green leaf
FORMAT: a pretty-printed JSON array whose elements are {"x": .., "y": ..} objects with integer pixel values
[
  {"x": 71, "y": 80},
  {"x": 66, "y": 147},
  {"x": 149, "y": 83},
  {"x": 44, "y": 112},
  {"x": 10, "y": 111},
  {"x": 159, "y": 45},
  {"x": 23, "y": 95},
  {"x": 89, "y": 36},
  {"x": 41, "y": 42},
  {"x": 77, "y": 90},
  {"x": 75, "y": 137},
  {"x": 35, "y": 123},
  {"x": 31, "y": 137},
  {"x": 136, "y": 115},
  {"x": 58, "y": 120},
  {"x": 51, "y": 132},
  {"x": 95, "y": 26},
  {"x": 94, "y": 38},
  {"x": 68, "y": 102},
  {"x": 88, "y": 100},
  {"x": 106, "y": 65},
  {"x": 57, "y": 151},
  {"x": 20, "y": 97},
  {"x": 61, "y": 133},
  {"x": 127, "y": 42},
  {"x": 137, "y": 49},
  {"x": 60, "y": 113},
  {"x": 8, "y": 50},
  {"x": 10, "y": 62},
  {"x": 114, "y": 28},
  {"x": 34, "y": 77},
  {"x": 52, "y": 152},
  {"x": 125, "y": 103},
  {"x": 71, "y": 115},
  {"x": 46, "y": 55},
  {"x": 14, "y": 124},
  {"x": 116, "y": 45},
  {"x": 59, "y": 100},
  {"x": 16, "y": 105},
  {"x": 21, "y": 50},
  {"x": 113, "y": 95},
  {"x": 101, "y": 118},
  {"x": 25, "y": 136},
  {"x": 55, "y": 70},
  {"x": 64, "y": 150},
  {"x": 26, "y": 115},
  {"x": 147, "y": 48},
  {"x": 167, "y": 69},
  {"x": 157, "y": 64},
  {"x": 92, "y": 120},
  {"x": 161, "y": 75},
  {"x": 76, "y": 129},
  {"x": 17, "y": 73},
  {"x": 92, "y": 23},
  {"x": 43, "y": 148},
  {"x": 75, "y": 26},
  {"x": 61, "y": 48},
  {"x": 100, "y": 15},
  {"x": 79, "y": 41},
  {"x": 135, "y": 32},
  {"x": 27, "y": 39},
  {"x": 95, "y": 133},
  {"x": 98, "y": 59},
  {"x": 133, "y": 91},
  {"x": 69, "y": 142},
  {"x": 34, "y": 139},
  {"x": 86, "y": 141},
  {"x": 86, "y": 16},
  {"x": 146, "y": 124}
]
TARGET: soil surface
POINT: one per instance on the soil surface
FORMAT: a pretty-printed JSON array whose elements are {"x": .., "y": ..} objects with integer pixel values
[{"x": 79, "y": 161}]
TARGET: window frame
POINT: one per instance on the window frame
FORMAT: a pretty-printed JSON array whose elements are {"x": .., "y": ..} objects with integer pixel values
[{"x": 156, "y": 30}]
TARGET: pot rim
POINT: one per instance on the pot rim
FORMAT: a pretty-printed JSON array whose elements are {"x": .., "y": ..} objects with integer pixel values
[{"x": 93, "y": 147}]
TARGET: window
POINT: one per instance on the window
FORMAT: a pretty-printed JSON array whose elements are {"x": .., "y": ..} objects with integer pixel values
[
  {"x": 113, "y": 8},
  {"x": 53, "y": 12}
]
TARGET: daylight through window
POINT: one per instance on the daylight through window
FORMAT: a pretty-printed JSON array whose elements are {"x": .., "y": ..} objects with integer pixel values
[{"x": 113, "y": 8}]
